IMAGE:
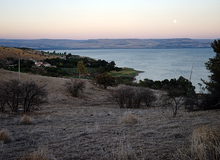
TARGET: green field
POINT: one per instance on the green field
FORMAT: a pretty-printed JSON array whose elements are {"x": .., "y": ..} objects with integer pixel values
[{"x": 124, "y": 72}]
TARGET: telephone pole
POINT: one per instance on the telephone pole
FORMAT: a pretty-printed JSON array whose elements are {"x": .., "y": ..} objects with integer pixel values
[{"x": 19, "y": 68}]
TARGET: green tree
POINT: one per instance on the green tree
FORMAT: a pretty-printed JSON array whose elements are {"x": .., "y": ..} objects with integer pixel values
[
  {"x": 105, "y": 80},
  {"x": 213, "y": 85},
  {"x": 81, "y": 68},
  {"x": 213, "y": 65}
]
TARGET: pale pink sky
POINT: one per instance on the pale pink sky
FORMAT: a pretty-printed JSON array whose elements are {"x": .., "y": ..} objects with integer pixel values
[{"x": 92, "y": 19}]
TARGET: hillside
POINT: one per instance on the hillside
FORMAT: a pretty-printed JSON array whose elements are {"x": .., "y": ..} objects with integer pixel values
[
  {"x": 56, "y": 44},
  {"x": 94, "y": 127},
  {"x": 24, "y": 53}
]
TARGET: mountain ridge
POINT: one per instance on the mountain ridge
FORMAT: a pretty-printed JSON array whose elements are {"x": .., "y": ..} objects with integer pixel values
[{"x": 47, "y": 44}]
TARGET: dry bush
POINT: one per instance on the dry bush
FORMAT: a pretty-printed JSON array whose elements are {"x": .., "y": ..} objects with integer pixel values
[
  {"x": 133, "y": 97},
  {"x": 173, "y": 101},
  {"x": 27, "y": 94},
  {"x": 143, "y": 95},
  {"x": 206, "y": 143},
  {"x": 40, "y": 154},
  {"x": 25, "y": 120},
  {"x": 4, "y": 135},
  {"x": 75, "y": 86},
  {"x": 123, "y": 96},
  {"x": 123, "y": 152},
  {"x": 129, "y": 118}
]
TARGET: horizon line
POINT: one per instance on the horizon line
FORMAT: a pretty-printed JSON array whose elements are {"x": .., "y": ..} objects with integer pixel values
[{"x": 99, "y": 38}]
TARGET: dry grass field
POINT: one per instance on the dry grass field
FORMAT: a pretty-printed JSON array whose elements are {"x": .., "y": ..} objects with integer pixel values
[
  {"x": 24, "y": 54},
  {"x": 94, "y": 127}
]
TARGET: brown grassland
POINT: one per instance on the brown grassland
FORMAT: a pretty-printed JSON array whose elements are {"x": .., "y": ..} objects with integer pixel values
[
  {"x": 25, "y": 54},
  {"x": 94, "y": 127}
]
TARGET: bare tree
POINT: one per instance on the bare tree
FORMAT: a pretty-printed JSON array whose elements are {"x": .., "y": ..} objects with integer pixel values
[
  {"x": 75, "y": 86},
  {"x": 10, "y": 94},
  {"x": 32, "y": 95},
  {"x": 27, "y": 94},
  {"x": 122, "y": 95},
  {"x": 173, "y": 100},
  {"x": 133, "y": 97},
  {"x": 2, "y": 102},
  {"x": 149, "y": 97}
]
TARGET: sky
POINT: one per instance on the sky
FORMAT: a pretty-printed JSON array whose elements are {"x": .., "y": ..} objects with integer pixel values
[{"x": 109, "y": 19}]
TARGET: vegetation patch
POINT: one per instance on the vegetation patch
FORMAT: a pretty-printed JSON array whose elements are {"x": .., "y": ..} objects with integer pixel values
[
  {"x": 4, "y": 136},
  {"x": 124, "y": 72},
  {"x": 129, "y": 118},
  {"x": 41, "y": 154},
  {"x": 25, "y": 120},
  {"x": 206, "y": 143}
]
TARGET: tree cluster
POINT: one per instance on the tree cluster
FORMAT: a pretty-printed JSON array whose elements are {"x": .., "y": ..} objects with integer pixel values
[
  {"x": 14, "y": 95},
  {"x": 182, "y": 84}
]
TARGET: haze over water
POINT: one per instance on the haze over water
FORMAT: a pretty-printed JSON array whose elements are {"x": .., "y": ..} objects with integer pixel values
[{"x": 157, "y": 64}]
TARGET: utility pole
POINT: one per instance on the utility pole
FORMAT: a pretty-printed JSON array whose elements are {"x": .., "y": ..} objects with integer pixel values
[
  {"x": 19, "y": 68},
  {"x": 191, "y": 73}
]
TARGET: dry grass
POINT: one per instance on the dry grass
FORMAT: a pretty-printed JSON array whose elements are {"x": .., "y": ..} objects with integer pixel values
[
  {"x": 41, "y": 154},
  {"x": 123, "y": 152},
  {"x": 129, "y": 118},
  {"x": 24, "y": 54},
  {"x": 206, "y": 143},
  {"x": 93, "y": 127},
  {"x": 4, "y": 135},
  {"x": 25, "y": 120}
]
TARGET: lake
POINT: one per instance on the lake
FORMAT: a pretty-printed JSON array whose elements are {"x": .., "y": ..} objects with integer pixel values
[{"x": 157, "y": 64}]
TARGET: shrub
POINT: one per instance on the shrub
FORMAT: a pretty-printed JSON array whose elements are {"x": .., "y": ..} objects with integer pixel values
[
  {"x": 10, "y": 95},
  {"x": 25, "y": 120},
  {"x": 209, "y": 101},
  {"x": 129, "y": 118},
  {"x": 149, "y": 98},
  {"x": 4, "y": 135},
  {"x": 105, "y": 80},
  {"x": 28, "y": 94},
  {"x": 133, "y": 97},
  {"x": 206, "y": 143},
  {"x": 173, "y": 100},
  {"x": 32, "y": 95},
  {"x": 143, "y": 95},
  {"x": 75, "y": 86},
  {"x": 123, "y": 96},
  {"x": 40, "y": 154}
]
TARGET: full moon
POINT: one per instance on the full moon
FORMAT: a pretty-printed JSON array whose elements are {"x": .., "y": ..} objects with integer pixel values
[{"x": 174, "y": 21}]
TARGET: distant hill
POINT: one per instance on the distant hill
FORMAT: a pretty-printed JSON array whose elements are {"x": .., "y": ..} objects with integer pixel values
[{"x": 55, "y": 44}]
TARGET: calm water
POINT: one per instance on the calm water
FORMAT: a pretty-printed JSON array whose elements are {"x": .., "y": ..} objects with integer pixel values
[{"x": 157, "y": 64}]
